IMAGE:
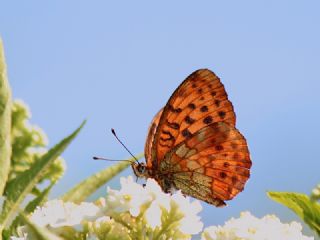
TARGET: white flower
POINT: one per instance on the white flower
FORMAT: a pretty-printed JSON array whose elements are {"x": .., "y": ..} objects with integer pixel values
[
  {"x": 57, "y": 213},
  {"x": 133, "y": 211},
  {"x": 132, "y": 197},
  {"x": 190, "y": 224},
  {"x": 18, "y": 238},
  {"x": 129, "y": 198},
  {"x": 248, "y": 227}
]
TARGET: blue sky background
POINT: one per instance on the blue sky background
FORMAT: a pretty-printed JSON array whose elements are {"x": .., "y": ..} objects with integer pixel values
[{"x": 116, "y": 63}]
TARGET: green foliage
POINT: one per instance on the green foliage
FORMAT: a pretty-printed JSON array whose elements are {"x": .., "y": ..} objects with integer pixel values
[
  {"x": 124, "y": 226},
  {"x": 31, "y": 206},
  {"x": 5, "y": 122},
  {"x": 25, "y": 161},
  {"x": 18, "y": 188},
  {"x": 301, "y": 204},
  {"x": 169, "y": 221},
  {"x": 88, "y": 186},
  {"x": 38, "y": 233},
  {"x": 29, "y": 145}
]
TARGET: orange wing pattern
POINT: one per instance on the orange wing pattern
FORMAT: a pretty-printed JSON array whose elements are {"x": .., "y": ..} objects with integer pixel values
[
  {"x": 212, "y": 165},
  {"x": 193, "y": 145},
  {"x": 150, "y": 137},
  {"x": 200, "y": 100}
]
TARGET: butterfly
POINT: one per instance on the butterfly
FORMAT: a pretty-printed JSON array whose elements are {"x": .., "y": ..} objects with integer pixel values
[{"x": 193, "y": 145}]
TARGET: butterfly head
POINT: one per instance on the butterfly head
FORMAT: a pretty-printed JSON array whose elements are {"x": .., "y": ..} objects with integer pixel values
[{"x": 140, "y": 169}]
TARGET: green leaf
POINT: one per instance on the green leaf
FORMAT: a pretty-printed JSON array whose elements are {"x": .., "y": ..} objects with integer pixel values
[
  {"x": 31, "y": 206},
  {"x": 18, "y": 189},
  {"x": 88, "y": 186},
  {"x": 39, "y": 200},
  {"x": 39, "y": 233},
  {"x": 302, "y": 205},
  {"x": 5, "y": 122}
]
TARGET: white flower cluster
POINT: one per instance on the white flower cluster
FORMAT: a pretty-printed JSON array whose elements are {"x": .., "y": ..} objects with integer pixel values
[
  {"x": 134, "y": 198},
  {"x": 146, "y": 212},
  {"x": 248, "y": 227},
  {"x": 131, "y": 209},
  {"x": 57, "y": 213}
]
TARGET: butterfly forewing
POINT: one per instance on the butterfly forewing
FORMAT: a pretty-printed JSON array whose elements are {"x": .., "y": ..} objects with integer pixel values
[
  {"x": 199, "y": 101},
  {"x": 150, "y": 137}
]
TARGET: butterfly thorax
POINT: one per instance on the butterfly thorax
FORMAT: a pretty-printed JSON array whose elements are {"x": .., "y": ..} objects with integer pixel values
[{"x": 165, "y": 180}]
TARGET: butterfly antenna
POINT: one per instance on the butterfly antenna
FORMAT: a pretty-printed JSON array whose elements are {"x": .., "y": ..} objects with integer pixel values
[
  {"x": 111, "y": 160},
  {"x": 114, "y": 133}
]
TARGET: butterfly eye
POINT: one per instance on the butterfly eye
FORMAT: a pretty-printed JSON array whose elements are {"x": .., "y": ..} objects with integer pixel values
[{"x": 142, "y": 168}]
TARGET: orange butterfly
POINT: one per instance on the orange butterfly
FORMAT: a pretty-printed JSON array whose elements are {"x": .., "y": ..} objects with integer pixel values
[{"x": 193, "y": 145}]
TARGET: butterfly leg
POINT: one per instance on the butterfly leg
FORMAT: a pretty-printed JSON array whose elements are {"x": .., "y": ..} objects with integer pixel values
[{"x": 167, "y": 184}]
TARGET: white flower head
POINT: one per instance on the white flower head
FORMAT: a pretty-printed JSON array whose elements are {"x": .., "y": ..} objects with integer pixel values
[
  {"x": 18, "y": 238},
  {"x": 248, "y": 227},
  {"x": 153, "y": 215},
  {"x": 190, "y": 223},
  {"x": 132, "y": 211},
  {"x": 132, "y": 197},
  {"x": 57, "y": 213},
  {"x": 129, "y": 198}
]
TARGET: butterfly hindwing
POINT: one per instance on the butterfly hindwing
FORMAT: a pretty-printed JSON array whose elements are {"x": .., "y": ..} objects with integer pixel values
[{"x": 212, "y": 165}]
